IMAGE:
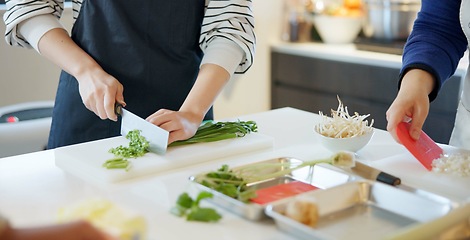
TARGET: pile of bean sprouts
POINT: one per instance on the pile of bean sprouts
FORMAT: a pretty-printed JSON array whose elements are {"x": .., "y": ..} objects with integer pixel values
[
  {"x": 343, "y": 125},
  {"x": 456, "y": 164}
]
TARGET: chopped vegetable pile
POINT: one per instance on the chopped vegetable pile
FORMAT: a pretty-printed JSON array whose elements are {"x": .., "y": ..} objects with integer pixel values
[
  {"x": 343, "y": 125},
  {"x": 457, "y": 164},
  {"x": 138, "y": 147},
  {"x": 186, "y": 206},
  {"x": 216, "y": 131}
]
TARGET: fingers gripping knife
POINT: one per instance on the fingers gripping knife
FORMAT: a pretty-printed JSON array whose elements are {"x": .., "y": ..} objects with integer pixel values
[{"x": 157, "y": 137}]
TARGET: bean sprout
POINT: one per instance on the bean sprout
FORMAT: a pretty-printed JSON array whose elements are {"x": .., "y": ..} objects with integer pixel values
[
  {"x": 343, "y": 125},
  {"x": 456, "y": 164}
]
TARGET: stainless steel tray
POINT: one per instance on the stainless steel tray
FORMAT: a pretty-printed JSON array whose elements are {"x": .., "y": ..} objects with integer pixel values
[
  {"x": 321, "y": 176},
  {"x": 361, "y": 210}
]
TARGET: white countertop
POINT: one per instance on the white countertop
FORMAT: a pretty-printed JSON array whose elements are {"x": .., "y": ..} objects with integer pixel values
[
  {"x": 32, "y": 188},
  {"x": 349, "y": 53}
]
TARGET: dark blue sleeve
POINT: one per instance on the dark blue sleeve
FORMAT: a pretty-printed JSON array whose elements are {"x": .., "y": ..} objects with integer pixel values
[{"x": 437, "y": 42}]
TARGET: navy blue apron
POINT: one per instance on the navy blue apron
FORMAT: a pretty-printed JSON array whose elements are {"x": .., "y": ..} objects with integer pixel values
[{"x": 151, "y": 47}]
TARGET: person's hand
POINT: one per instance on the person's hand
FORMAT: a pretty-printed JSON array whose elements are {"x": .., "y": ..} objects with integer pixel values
[
  {"x": 181, "y": 125},
  {"x": 100, "y": 91},
  {"x": 411, "y": 103},
  {"x": 79, "y": 230}
]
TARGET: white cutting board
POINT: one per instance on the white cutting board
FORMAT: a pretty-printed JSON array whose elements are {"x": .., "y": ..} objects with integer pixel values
[
  {"x": 413, "y": 174},
  {"x": 85, "y": 160}
]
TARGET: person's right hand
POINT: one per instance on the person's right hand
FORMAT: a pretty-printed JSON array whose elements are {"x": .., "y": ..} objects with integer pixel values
[
  {"x": 79, "y": 230},
  {"x": 100, "y": 91},
  {"x": 411, "y": 103}
]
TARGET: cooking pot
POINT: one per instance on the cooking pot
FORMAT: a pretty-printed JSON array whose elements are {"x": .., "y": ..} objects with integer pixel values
[{"x": 389, "y": 19}]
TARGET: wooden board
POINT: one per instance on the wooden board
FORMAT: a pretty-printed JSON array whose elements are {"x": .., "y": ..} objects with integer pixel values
[{"x": 85, "y": 160}]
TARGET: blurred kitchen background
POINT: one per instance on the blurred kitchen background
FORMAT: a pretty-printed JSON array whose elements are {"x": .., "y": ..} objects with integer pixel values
[{"x": 308, "y": 52}]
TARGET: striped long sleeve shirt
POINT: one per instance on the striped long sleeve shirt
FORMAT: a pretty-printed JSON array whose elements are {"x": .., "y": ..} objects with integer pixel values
[{"x": 227, "y": 34}]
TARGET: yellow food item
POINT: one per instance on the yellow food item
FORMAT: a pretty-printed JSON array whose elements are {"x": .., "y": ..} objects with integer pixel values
[
  {"x": 106, "y": 216},
  {"x": 303, "y": 210},
  {"x": 348, "y": 12},
  {"x": 353, "y": 3}
]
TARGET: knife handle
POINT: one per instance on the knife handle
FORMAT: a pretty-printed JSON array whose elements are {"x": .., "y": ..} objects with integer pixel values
[
  {"x": 388, "y": 179},
  {"x": 118, "y": 109}
]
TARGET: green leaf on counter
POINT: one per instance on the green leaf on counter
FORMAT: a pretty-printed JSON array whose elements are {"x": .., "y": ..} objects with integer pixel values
[
  {"x": 186, "y": 206},
  {"x": 204, "y": 215}
]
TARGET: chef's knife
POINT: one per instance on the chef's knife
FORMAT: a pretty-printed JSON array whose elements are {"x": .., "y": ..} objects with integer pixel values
[
  {"x": 374, "y": 174},
  {"x": 157, "y": 137}
]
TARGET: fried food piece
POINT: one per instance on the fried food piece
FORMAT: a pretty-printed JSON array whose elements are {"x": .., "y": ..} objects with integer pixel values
[{"x": 303, "y": 210}]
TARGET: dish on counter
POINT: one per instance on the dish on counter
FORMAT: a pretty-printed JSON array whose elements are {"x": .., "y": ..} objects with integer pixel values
[
  {"x": 301, "y": 180},
  {"x": 360, "y": 210}
]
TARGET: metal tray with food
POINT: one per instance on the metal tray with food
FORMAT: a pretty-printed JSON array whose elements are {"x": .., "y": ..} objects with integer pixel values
[
  {"x": 360, "y": 209},
  {"x": 270, "y": 181}
]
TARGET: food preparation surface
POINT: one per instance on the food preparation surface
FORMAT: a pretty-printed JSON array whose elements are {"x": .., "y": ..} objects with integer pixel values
[
  {"x": 33, "y": 188},
  {"x": 85, "y": 160}
]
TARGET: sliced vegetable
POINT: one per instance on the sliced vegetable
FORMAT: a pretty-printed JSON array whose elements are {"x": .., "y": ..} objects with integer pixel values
[
  {"x": 216, "y": 131},
  {"x": 117, "y": 163},
  {"x": 186, "y": 206},
  {"x": 138, "y": 146}
]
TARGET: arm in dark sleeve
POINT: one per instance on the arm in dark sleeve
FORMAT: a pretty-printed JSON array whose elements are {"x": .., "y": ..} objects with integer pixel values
[{"x": 437, "y": 42}]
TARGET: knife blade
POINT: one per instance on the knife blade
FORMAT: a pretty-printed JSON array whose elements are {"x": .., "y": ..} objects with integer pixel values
[
  {"x": 157, "y": 137},
  {"x": 374, "y": 174}
]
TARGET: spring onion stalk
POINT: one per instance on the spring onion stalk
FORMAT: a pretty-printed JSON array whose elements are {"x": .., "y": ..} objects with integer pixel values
[
  {"x": 217, "y": 131},
  {"x": 117, "y": 163}
]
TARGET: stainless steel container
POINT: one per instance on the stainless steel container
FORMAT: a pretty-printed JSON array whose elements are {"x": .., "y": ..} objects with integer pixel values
[{"x": 389, "y": 20}]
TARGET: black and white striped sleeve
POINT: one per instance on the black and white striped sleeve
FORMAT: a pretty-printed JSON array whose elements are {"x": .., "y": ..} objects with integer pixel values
[
  {"x": 19, "y": 11},
  {"x": 227, "y": 34}
]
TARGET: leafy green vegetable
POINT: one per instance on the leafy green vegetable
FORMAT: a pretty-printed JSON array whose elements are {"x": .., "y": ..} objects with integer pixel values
[
  {"x": 216, "y": 131},
  {"x": 186, "y": 206},
  {"x": 227, "y": 182},
  {"x": 138, "y": 146}
]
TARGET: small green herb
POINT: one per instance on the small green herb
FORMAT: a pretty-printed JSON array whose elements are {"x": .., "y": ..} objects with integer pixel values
[
  {"x": 186, "y": 206},
  {"x": 225, "y": 181},
  {"x": 138, "y": 146},
  {"x": 216, "y": 131}
]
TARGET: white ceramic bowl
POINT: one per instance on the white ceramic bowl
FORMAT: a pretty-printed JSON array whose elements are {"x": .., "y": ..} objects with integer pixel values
[
  {"x": 352, "y": 144},
  {"x": 337, "y": 29}
]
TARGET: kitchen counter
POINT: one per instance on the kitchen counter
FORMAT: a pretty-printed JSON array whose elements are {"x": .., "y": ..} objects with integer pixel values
[
  {"x": 33, "y": 189},
  {"x": 349, "y": 53}
]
